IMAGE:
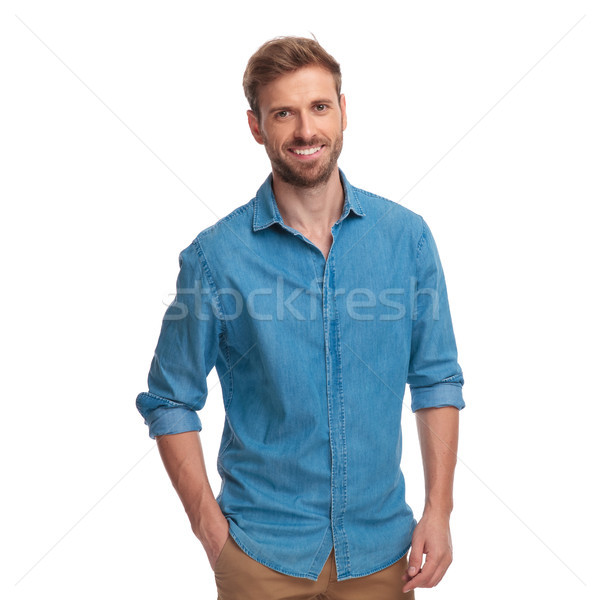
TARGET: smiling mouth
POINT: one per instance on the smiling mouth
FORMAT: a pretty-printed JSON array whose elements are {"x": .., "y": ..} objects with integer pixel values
[{"x": 306, "y": 151}]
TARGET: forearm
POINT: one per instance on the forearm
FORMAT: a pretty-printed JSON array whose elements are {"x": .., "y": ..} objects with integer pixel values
[
  {"x": 183, "y": 458},
  {"x": 438, "y": 437}
]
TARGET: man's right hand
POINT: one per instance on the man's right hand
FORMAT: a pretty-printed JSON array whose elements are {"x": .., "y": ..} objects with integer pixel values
[{"x": 212, "y": 531}]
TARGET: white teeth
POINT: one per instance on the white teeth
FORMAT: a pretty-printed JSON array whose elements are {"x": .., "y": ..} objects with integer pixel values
[{"x": 307, "y": 151}]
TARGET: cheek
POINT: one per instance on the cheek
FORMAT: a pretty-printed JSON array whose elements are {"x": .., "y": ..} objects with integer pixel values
[{"x": 276, "y": 139}]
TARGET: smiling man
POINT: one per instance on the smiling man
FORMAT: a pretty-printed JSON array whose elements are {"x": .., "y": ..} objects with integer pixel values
[
  {"x": 317, "y": 303},
  {"x": 302, "y": 136}
]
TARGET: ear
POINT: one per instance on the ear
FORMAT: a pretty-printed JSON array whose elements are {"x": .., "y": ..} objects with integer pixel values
[
  {"x": 254, "y": 126},
  {"x": 343, "y": 107}
]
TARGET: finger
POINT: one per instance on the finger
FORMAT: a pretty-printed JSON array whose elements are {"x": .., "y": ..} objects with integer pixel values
[
  {"x": 415, "y": 582},
  {"x": 423, "y": 577},
  {"x": 440, "y": 565},
  {"x": 420, "y": 580},
  {"x": 415, "y": 559},
  {"x": 439, "y": 573},
  {"x": 431, "y": 574}
]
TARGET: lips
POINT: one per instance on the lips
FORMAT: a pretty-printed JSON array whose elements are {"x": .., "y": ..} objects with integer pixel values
[{"x": 307, "y": 151}]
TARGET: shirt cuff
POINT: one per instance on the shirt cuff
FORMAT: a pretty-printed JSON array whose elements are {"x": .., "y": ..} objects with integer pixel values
[
  {"x": 164, "y": 420},
  {"x": 440, "y": 394}
]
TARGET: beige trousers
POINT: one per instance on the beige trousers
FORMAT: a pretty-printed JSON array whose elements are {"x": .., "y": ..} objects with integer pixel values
[{"x": 240, "y": 577}]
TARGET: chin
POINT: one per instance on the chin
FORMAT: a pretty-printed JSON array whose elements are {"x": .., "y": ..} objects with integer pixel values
[
  {"x": 305, "y": 179},
  {"x": 305, "y": 176}
]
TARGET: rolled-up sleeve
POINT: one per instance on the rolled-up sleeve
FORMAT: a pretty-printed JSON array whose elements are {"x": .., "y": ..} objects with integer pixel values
[
  {"x": 434, "y": 376},
  {"x": 185, "y": 353}
]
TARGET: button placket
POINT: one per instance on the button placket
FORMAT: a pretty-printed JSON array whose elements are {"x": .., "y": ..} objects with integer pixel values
[{"x": 335, "y": 404}]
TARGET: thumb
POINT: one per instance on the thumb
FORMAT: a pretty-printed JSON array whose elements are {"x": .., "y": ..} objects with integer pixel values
[{"x": 415, "y": 559}]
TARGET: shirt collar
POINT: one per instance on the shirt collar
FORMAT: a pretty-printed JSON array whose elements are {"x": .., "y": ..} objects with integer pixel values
[{"x": 266, "y": 211}]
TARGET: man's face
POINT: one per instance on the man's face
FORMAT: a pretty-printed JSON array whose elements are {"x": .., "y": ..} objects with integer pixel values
[{"x": 301, "y": 125}]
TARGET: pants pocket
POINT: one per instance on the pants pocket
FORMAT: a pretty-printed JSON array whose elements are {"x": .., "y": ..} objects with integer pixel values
[{"x": 222, "y": 553}]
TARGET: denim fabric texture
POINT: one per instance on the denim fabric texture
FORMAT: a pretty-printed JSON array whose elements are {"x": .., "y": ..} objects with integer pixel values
[{"x": 313, "y": 357}]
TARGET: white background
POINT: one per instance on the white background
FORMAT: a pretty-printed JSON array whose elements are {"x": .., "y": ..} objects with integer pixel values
[{"x": 123, "y": 134}]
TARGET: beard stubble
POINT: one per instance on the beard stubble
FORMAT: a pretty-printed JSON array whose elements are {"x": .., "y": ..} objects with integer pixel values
[{"x": 305, "y": 175}]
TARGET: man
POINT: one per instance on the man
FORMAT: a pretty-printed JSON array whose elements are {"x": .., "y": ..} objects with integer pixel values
[{"x": 317, "y": 302}]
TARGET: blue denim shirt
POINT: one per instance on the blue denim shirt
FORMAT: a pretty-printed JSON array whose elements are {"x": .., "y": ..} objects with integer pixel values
[{"x": 313, "y": 357}]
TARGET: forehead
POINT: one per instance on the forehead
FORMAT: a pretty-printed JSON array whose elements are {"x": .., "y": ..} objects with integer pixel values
[{"x": 298, "y": 87}]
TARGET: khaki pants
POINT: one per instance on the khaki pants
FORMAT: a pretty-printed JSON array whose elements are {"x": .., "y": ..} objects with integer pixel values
[{"x": 240, "y": 577}]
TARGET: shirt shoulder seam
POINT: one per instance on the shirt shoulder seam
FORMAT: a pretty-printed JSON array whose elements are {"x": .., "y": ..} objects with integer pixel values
[
  {"x": 392, "y": 202},
  {"x": 223, "y": 220},
  {"x": 421, "y": 242},
  {"x": 211, "y": 282}
]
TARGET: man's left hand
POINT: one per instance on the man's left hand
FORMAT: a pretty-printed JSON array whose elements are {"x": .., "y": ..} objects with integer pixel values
[{"x": 432, "y": 538}]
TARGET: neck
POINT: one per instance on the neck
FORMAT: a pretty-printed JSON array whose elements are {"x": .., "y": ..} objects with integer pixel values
[{"x": 312, "y": 210}]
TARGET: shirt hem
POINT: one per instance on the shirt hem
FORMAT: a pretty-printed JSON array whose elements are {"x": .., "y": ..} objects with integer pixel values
[
  {"x": 232, "y": 531},
  {"x": 377, "y": 569},
  {"x": 265, "y": 563}
]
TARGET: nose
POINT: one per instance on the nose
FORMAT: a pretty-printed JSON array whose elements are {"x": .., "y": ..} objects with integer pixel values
[{"x": 305, "y": 126}]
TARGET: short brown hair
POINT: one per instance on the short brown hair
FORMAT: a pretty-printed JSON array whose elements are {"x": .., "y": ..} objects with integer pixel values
[{"x": 282, "y": 55}]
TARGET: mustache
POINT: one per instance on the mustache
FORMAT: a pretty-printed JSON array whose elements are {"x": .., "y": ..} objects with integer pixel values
[{"x": 300, "y": 142}]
